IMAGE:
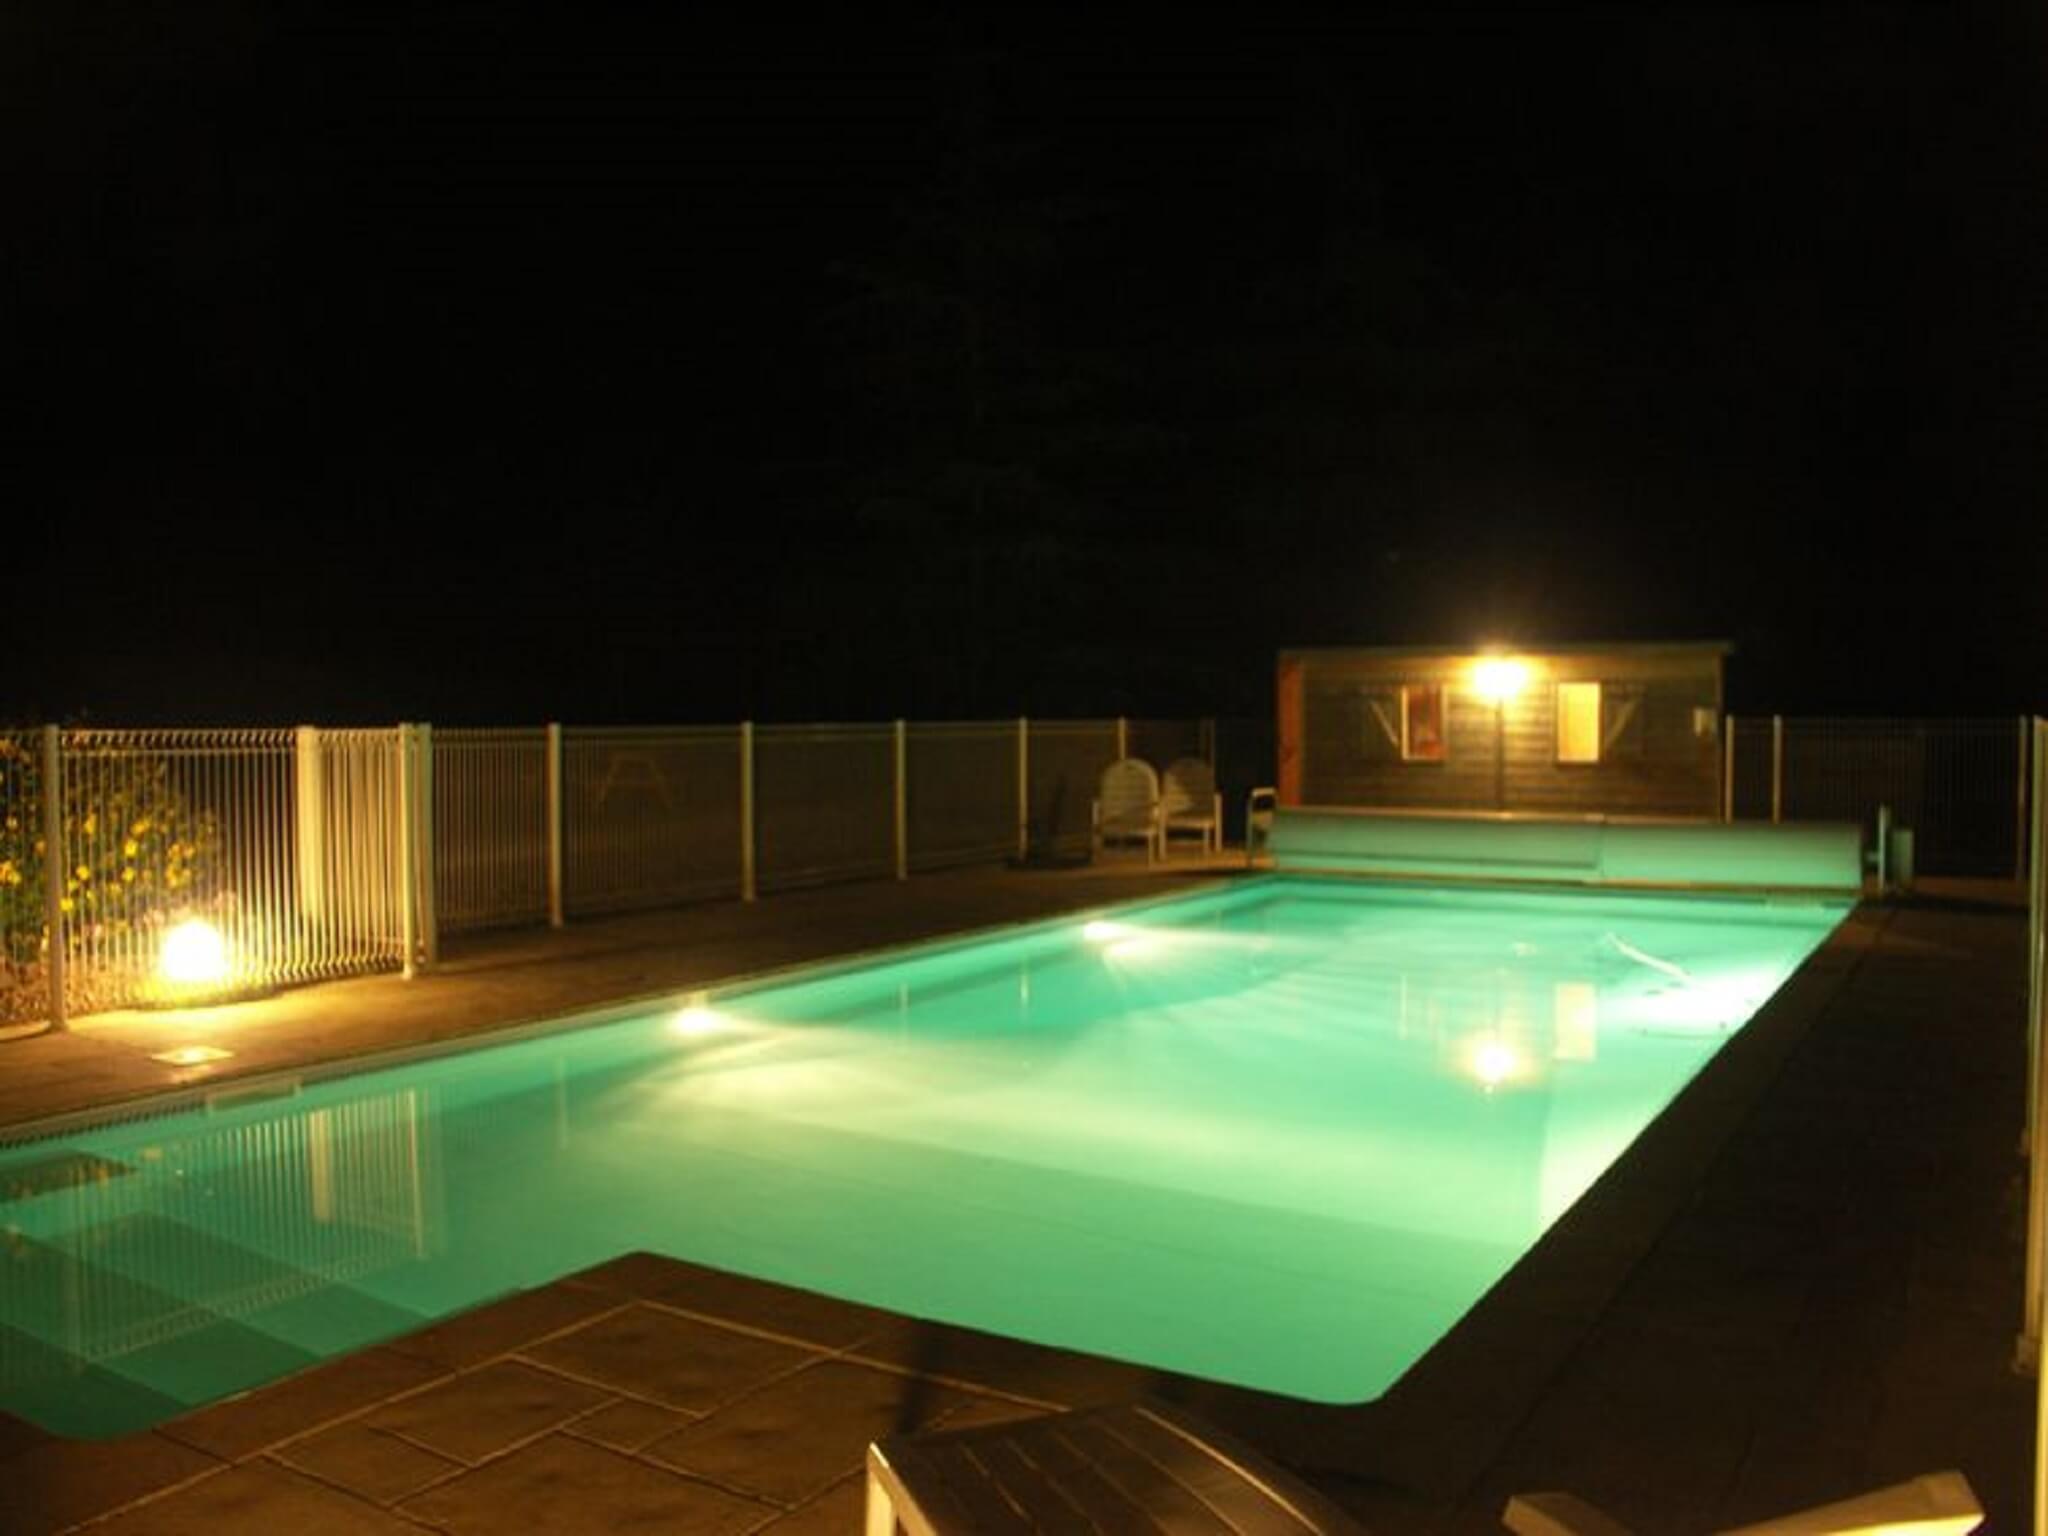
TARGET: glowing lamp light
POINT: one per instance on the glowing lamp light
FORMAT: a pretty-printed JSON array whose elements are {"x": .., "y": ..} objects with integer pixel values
[
  {"x": 1493, "y": 1061},
  {"x": 1499, "y": 678},
  {"x": 193, "y": 955},
  {"x": 697, "y": 1019},
  {"x": 1099, "y": 932}
]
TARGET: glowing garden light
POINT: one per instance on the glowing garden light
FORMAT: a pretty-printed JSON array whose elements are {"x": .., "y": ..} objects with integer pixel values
[
  {"x": 698, "y": 1018},
  {"x": 193, "y": 955}
]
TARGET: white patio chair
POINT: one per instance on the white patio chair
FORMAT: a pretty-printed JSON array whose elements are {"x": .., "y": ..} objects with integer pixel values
[
  {"x": 1189, "y": 803},
  {"x": 1127, "y": 807},
  {"x": 1936, "y": 1504}
]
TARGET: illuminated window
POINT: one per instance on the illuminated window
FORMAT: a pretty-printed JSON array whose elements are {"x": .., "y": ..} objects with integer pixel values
[
  {"x": 1422, "y": 723},
  {"x": 1578, "y": 722}
]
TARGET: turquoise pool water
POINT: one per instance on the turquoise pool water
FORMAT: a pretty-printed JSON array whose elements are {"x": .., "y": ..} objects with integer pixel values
[{"x": 1282, "y": 1135}]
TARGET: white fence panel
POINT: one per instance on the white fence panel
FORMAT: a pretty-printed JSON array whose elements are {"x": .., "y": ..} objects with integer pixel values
[
  {"x": 651, "y": 816},
  {"x": 962, "y": 792},
  {"x": 824, "y": 803},
  {"x": 490, "y": 828}
]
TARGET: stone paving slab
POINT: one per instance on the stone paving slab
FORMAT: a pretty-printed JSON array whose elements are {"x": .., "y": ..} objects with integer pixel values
[
  {"x": 57, "y": 1483},
  {"x": 664, "y": 1357},
  {"x": 257, "y": 1496},
  {"x": 480, "y": 1414},
  {"x": 569, "y": 1486},
  {"x": 254, "y": 1421},
  {"x": 793, "y": 1439},
  {"x": 369, "y": 1463}
]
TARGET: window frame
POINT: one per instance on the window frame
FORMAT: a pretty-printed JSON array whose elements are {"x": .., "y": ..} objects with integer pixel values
[
  {"x": 1557, "y": 742},
  {"x": 1443, "y": 730}
]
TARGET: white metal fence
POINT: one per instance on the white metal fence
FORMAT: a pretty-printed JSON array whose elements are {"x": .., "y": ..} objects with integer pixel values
[
  {"x": 1960, "y": 785},
  {"x": 311, "y": 853},
  {"x": 286, "y": 844}
]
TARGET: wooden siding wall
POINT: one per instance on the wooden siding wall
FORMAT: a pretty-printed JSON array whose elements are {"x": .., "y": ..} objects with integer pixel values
[{"x": 1659, "y": 767}]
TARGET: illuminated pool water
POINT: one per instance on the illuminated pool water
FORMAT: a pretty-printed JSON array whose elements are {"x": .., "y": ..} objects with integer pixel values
[{"x": 1282, "y": 1135}]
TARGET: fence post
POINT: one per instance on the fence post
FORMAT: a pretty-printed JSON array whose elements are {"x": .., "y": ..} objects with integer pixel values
[
  {"x": 747, "y": 892},
  {"x": 423, "y": 767},
  {"x": 1123, "y": 737},
  {"x": 1023, "y": 789},
  {"x": 1728, "y": 771},
  {"x": 1884, "y": 848},
  {"x": 2028, "y": 1353},
  {"x": 408, "y": 874},
  {"x": 310, "y": 784},
  {"x": 2019, "y": 846},
  {"x": 1777, "y": 768},
  {"x": 902, "y": 801},
  {"x": 554, "y": 813},
  {"x": 2037, "y": 917},
  {"x": 53, "y": 870}
]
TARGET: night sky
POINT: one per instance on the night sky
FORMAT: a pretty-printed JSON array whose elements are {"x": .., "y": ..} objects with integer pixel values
[{"x": 628, "y": 362}]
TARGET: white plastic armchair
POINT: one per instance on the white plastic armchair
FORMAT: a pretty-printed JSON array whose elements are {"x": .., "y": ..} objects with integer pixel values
[
  {"x": 1127, "y": 807},
  {"x": 1189, "y": 803}
]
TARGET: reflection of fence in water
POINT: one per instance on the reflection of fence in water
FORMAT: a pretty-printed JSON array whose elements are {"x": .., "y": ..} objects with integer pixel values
[{"x": 231, "y": 1221}]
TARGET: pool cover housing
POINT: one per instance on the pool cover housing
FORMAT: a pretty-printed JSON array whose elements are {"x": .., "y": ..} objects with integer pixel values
[{"x": 1580, "y": 850}]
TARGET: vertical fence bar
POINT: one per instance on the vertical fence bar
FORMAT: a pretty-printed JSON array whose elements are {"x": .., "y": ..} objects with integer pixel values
[
  {"x": 1728, "y": 770},
  {"x": 53, "y": 871},
  {"x": 1123, "y": 737},
  {"x": 747, "y": 890},
  {"x": 902, "y": 800},
  {"x": 2037, "y": 956},
  {"x": 554, "y": 815},
  {"x": 1777, "y": 768},
  {"x": 408, "y": 883},
  {"x": 2029, "y": 1352},
  {"x": 2019, "y": 842},
  {"x": 423, "y": 801},
  {"x": 1023, "y": 788}
]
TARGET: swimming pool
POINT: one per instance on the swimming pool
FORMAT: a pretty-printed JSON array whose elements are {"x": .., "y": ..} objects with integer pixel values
[{"x": 1281, "y": 1135}]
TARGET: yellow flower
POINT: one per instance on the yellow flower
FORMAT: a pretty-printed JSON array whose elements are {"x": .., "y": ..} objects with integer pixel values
[
  {"x": 64, "y": 904},
  {"x": 130, "y": 848},
  {"x": 9, "y": 875},
  {"x": 141, "y": 826},
  {"x": 92, "y": 822},
  {"x": 84, "y": 874},
  {"x": 128, "y": 875}
]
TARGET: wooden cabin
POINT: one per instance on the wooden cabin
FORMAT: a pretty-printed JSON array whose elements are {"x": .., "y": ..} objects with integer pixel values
[{"x": 1630, "y": 730}]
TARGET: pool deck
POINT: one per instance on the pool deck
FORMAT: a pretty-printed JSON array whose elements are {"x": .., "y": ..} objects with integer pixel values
[{"x": 1801, "y": 1282}]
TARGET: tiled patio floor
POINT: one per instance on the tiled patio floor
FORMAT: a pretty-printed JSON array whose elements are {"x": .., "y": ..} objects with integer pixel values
[{"x": 1801, "y": 1282}]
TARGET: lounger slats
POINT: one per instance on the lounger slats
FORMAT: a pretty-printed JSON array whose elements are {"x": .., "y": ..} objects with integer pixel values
[{"x": 1131, "y": 1470}]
